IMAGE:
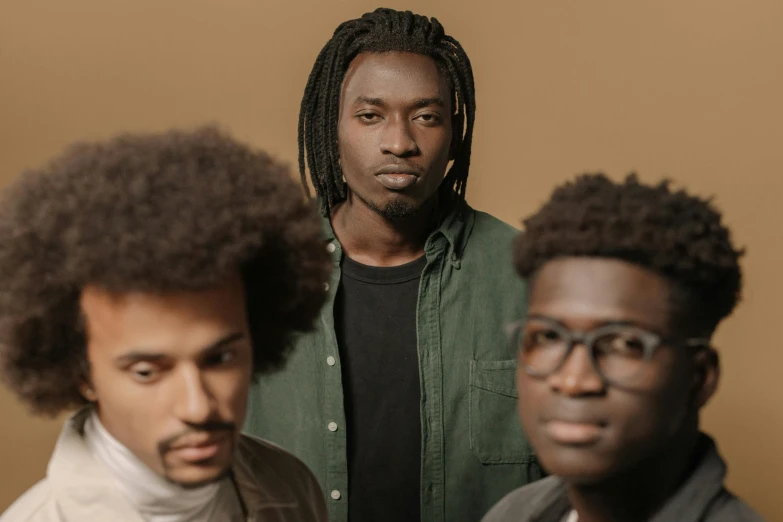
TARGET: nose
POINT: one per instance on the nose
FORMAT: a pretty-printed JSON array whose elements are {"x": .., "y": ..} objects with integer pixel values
[
  {"x": 577, "y": 376},
  {"x": 194, "y": 403},
  {"x": 397, "y": 139}
]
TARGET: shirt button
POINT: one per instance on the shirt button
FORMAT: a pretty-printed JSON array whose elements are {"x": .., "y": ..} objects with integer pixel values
[
  {"x": 332, "y": 426},
  {"x": 335, "y": 494},
  {"x": 330, "y": 361},
  {"x": 331, "y": 248}
]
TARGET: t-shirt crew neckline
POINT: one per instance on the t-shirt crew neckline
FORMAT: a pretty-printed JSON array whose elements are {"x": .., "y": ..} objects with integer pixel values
[{"x": 387, "y": 275}]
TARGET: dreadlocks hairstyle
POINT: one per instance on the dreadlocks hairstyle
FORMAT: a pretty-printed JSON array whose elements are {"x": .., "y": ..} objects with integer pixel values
[
  {"x": 383, "y": 30},
  {"x": 676, "y": 235},
  {"x": 166, "y": 212}
]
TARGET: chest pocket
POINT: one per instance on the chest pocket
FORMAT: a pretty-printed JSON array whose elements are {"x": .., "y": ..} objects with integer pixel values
[{"x": 496, "y": 436}]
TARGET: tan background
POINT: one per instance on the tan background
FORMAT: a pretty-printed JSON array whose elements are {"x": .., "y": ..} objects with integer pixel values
[{"x": 683, "y": 88}]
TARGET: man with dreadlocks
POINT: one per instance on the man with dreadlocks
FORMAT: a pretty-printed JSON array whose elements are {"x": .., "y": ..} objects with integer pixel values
[
  {"x": 402, "y": 402},
  {"x": 146, "y": 280},
  {"x": 628, "y": 282}
]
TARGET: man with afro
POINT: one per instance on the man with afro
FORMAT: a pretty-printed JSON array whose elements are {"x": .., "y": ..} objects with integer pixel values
[
  {"x": 145, "y": 281},
  {"x": 628, "y": 282}
]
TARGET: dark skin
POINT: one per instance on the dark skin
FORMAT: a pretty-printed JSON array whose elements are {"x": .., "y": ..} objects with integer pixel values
[
  {"x": 395, "y": 114},
  {"x": 623, "y": 451}
]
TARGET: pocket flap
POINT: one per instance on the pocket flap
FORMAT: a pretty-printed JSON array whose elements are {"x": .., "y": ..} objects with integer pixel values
[{"x": 494, "y": 376}]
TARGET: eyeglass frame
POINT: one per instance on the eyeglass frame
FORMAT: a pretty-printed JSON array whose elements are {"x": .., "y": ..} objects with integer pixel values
[{"x": 652, "y": 342}]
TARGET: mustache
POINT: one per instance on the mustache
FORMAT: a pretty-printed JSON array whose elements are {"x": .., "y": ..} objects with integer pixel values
[{"x": 215, "y": 426}]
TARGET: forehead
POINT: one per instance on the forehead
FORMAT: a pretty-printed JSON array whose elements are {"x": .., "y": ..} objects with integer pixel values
[
  {"x": 394, "y": 76},
  {"x": 582, "y": 292},
  {"x": 167, "y": 322}
]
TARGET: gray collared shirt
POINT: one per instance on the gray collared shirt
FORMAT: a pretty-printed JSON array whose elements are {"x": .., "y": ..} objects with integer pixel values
[{"x": 702, "y": 498}]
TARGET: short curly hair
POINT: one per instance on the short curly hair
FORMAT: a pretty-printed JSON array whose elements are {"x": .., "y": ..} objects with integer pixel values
[
  {"x": 672, "y": 233},
  {"x": 173, "y": 211}
]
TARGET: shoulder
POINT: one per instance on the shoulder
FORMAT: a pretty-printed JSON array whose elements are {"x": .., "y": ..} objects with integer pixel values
[
  {"x": 487, "y": 233},
  {"x": 728, "y": 508},
  {"x": 490, "y": 227},
  {"x": 488, "y": 248},
  {"x": 31, "y": 506},
  {"x": 280, "y": 471},
  {"x": 285, "y": 464},
  {"x": 522, "y": 502}
]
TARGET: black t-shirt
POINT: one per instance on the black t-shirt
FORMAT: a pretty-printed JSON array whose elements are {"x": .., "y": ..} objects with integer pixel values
[{"x": 375, "y": 322}]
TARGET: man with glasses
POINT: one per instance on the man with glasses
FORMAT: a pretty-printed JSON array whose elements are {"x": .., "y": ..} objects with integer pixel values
[{"x": 627, "y": 285}]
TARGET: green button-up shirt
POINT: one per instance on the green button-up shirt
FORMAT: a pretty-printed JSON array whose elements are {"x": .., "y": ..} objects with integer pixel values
[{"x": 473, "y": 450}]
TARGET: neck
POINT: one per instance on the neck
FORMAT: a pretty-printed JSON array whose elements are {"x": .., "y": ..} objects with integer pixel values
[
  {"x": 371, "y": 239},
  {"x": 147, "y": 492},
  {"x": 636, "y": 495}
]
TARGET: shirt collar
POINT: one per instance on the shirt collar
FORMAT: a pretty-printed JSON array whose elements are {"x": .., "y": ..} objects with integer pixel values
[
  {"x": 455, "y": 224},
  {"x": 85, "y": 489},
  {"x": 705, "y": 483}
]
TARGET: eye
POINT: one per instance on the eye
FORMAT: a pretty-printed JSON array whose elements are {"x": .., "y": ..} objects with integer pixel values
[
  {"x": 220, "y": 358},
  {"x": 368, "y": 117},
  {"x": 542, "y": 337},
  {"x": 625, "y": 344},
  {"x": 428, "y": 117},
  {"x": 144, "y": 372}
]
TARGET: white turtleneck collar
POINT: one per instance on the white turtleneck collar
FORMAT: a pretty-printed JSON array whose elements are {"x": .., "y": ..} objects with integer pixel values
[{"x": 155, "y": 498}]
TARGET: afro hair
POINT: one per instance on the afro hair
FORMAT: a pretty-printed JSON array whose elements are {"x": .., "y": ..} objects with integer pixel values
[
  {"x": 672, "y": 233},
  {"x": 173, "y": 211}
]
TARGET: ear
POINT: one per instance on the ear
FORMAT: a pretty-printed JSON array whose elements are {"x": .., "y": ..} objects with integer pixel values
[
  {"x": 86, "y": 389},
  {"x": 706, "y": 376}
]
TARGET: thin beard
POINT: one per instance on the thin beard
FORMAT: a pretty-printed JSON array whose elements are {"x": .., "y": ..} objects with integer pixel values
[
  {"x": 395, "y": 209},
  {"x": 196, "y": 485},
  {"x": 213, "y": 426}
]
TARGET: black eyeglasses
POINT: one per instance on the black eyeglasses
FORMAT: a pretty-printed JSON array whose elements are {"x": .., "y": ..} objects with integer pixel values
[{"x": 619, "y": 353}]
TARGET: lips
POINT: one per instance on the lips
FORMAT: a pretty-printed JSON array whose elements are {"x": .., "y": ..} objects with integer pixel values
[
  {"x": 573, "y": 423},
  {"x": 200, "y": 448},
  {"x": 573, "y": 433},
  {"x": 397, "y": 177}
]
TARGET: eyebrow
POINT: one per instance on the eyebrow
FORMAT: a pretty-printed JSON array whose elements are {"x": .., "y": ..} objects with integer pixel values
[
  {"x": 418, "y": 102},
  {"x": 378, "y": 102},
  {"x": 142, "y": 354},
  {"x": 426, "y": 102},
  {"x": 599, "y": 324}
]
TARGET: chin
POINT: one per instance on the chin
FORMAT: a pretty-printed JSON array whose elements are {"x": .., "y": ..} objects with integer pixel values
[
  {"x": 583, "y": 477},
  {"x": 394, "y": 205},
  {"x": 579, "y": 466},
  {"x": 192, "y": 477},
  {"x": 398, "y": 208},
  {"x": 193, "y": 474}
]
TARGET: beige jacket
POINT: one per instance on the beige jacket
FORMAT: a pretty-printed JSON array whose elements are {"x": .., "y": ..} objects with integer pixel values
[{"x": 273, "y": 485}]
